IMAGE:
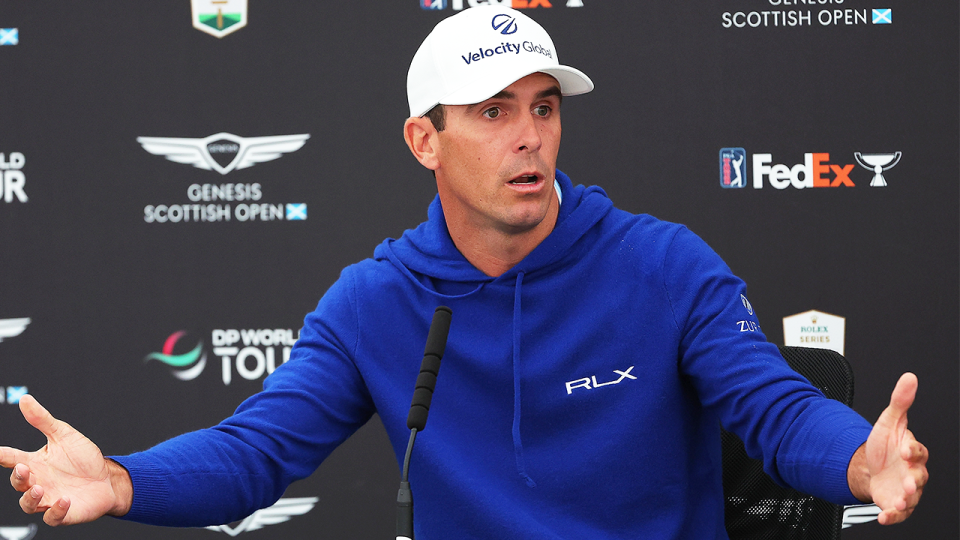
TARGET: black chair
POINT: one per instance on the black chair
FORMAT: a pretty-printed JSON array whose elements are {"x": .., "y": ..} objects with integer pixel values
[{"x": 758, "y": 509}]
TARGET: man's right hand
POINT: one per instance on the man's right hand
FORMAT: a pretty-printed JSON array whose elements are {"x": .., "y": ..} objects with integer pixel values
[{"x": 68, "y": 479}]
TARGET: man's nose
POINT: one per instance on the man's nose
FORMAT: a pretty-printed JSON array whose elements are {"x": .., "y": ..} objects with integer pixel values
[{"x": 528, "y": 136}]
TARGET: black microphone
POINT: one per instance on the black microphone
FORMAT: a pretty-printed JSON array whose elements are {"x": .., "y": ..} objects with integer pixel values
[{"x": 419, "y": 407}]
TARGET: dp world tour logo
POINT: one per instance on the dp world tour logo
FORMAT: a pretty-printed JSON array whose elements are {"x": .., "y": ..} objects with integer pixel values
[{"x": 186, "y": 366}]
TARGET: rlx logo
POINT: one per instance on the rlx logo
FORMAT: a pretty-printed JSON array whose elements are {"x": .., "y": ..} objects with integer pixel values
[{"x": 586, "y": 382}]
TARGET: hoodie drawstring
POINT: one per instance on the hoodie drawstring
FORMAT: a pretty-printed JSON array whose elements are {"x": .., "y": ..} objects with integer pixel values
[{"x": 517, "y": 444}]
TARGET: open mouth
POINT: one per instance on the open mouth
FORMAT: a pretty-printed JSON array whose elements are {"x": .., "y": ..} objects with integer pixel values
[{"x": 526, "y": 179}]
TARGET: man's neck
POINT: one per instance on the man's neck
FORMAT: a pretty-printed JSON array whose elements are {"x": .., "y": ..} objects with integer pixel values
[{"x": 494, "y": 251}]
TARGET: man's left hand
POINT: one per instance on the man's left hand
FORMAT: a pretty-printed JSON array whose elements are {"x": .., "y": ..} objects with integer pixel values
[{"x": 890, "y": 469}]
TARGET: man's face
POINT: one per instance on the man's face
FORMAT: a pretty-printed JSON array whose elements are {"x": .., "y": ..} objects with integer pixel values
[{"x": 497, "y": 158}]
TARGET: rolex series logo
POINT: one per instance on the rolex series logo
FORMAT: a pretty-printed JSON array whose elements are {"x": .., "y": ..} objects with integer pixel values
[{"x": 815, "y": 329}]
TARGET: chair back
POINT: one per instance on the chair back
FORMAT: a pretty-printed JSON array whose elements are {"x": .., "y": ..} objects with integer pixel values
[{"x": 756, "y": 508}]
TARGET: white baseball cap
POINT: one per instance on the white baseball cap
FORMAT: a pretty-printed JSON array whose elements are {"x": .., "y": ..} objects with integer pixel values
[{"x": 475, "y": 54}]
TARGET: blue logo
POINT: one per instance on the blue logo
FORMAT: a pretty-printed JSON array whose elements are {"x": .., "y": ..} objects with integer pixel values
[
  {"x": 883, "y": 16},
  {"x": 733, "y": 167},
  {"x": 505, "y": 23},
  {"x": 9, "y": 36},
  {"x": 296, "y": 212},
  {"x": 14, "y": 393},
  {"x": 433, "y": 4}
]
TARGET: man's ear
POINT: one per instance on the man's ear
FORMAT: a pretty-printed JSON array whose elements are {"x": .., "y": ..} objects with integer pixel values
[{"x": 422, "y": 140}]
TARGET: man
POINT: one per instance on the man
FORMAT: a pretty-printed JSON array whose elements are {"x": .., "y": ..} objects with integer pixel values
[{"x": 592, "y": 354}]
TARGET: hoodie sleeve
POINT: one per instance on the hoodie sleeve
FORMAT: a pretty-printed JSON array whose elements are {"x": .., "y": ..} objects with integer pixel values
[
  {"x": 307, "y": 407},
  {"x": 804, "y": 439}
]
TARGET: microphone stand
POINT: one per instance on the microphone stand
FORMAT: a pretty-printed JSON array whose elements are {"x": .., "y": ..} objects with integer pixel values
[{"x": 419, "y": 407}]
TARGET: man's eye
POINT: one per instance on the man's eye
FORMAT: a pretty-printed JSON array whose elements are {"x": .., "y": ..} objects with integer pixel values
[
  {"x": 542, "y": 110},
  {"x": 492, "y": 112}
]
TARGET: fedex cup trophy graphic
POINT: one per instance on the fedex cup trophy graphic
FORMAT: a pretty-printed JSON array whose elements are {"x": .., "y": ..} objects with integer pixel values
[{"x": 877, "y": 163}]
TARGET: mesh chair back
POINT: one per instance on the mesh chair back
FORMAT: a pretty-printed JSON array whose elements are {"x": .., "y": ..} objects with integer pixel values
[{"x": 758, "y": 509}]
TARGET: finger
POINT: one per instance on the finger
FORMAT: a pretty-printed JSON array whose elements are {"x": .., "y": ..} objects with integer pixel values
[
  {"x": 903, "y": 394},
  {"x": 890, "y": 517},
  {"x": 913, "y": 451},
  {"x": 11, "y": 456},
  {"x": 20, "y": 478},
  {"x": 55, "y": 514},
  {"x": 37, "y": 416},
  {"x": 30, "y": 500}
]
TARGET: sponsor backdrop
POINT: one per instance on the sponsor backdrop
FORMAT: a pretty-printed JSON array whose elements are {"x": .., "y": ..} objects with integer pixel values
[{"x": 180, "y": 182}]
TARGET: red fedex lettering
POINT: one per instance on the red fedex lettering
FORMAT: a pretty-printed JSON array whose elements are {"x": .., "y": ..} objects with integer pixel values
[
  {"x": 521, "y": 4},
  {"x": 843, "y": 176},
  {"x": 819, "y": 169}
]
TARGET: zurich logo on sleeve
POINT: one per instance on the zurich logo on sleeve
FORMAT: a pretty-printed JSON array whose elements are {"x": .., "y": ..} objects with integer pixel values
[{"x": 504, "y": 23}]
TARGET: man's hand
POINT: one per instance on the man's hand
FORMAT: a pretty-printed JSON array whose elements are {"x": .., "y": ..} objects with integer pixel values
[
  {"x": 890, "y": 469},
  {"x": 68, "y": 479}
]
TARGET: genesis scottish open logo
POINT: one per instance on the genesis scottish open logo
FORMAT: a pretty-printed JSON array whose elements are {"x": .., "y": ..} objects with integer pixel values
[
  {"x": 11, "y": 328},
  {"x": 280, "y": 512},
  {"x": 9, "y": 36},
  {"x": 223, "y": 152},
  {"x": 787, "y": 13},
  {"x": 185, "y": 366}
]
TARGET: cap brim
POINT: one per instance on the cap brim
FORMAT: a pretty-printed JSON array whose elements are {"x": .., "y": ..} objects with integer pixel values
[{"x": 572, "y": 82}]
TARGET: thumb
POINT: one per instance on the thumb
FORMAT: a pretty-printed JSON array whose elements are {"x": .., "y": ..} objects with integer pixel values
[
  {"x": 37, "y": 416},
  {"x": 903, "y": 395}
]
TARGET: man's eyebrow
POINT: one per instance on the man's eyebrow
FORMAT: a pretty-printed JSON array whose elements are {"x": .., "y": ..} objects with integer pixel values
[
  {"x": 503, "y": 94},
  {"x": 553, "y": 91}
]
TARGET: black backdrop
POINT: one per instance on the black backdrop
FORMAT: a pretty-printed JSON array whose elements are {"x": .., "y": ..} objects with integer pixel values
[{"x": 104, "y": 287}]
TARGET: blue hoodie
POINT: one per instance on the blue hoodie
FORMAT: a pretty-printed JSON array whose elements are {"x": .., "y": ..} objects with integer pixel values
[{"x": 580, "y": 396}]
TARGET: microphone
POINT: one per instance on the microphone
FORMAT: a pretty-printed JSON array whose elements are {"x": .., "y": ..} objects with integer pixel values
[{"x": 419, "y": 407}]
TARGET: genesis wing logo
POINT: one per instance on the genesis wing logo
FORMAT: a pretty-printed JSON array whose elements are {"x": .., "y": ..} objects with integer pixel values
[
  {"x": 245, "y": 151},
  {"x": 282, "y": 511},
  {"x": 12, "y": 327},
  {"x": 18, "y": 533}
]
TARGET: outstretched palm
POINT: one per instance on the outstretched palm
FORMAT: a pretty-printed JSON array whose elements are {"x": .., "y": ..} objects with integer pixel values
[
  {"x": 67, "y": 479},
  {"x": 895, "y": 460}
]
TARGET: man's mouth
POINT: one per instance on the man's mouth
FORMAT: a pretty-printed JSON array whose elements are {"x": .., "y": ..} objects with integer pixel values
[{"x": 525, "y": 180}]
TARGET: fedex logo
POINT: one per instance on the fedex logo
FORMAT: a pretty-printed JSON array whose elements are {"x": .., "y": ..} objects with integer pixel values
[{"x": 816, "y": 171}]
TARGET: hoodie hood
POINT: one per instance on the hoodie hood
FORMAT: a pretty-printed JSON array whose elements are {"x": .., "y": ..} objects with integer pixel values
[{"x": 429, "y": 252}]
